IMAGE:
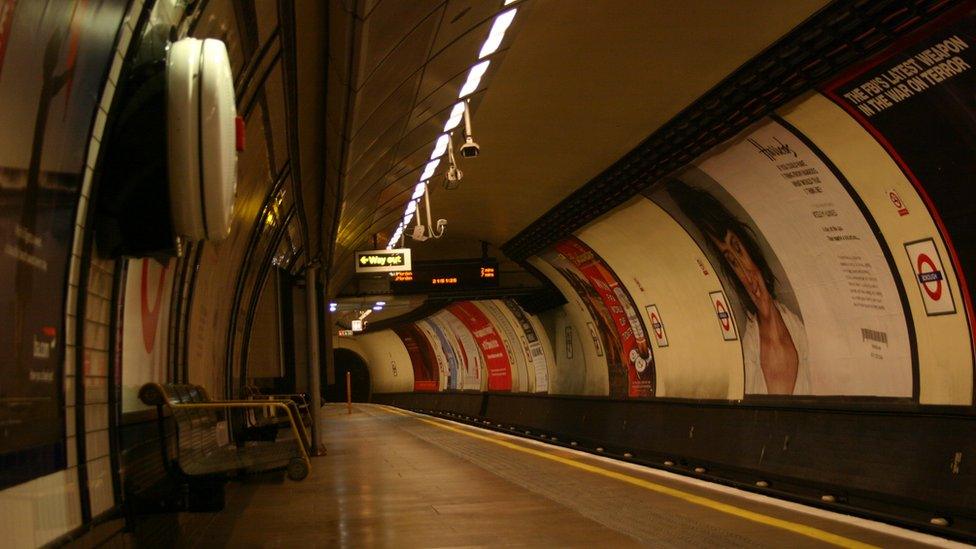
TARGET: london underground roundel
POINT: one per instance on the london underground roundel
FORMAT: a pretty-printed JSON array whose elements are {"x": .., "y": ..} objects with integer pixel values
[{"x": 931, "y": 277}]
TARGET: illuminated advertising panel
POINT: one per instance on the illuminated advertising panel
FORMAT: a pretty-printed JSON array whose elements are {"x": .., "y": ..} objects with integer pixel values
[
  {"x": 492, "y": 348},
  {"x": 629, "y": 356},
  {"x": 808, "y": 283}
]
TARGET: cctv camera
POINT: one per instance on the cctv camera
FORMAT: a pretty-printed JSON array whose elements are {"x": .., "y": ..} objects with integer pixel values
[
  {"x": 441, "y": 225},
  {"x": 453, "y": 173},
  {"x": 418, "y": 233},
  {"x": 470, "y": 149}
]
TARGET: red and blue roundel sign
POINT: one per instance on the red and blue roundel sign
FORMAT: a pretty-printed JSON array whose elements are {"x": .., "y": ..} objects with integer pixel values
[
  {"x": 933, "y": 284},
  {"x": 725, "y": 320}
]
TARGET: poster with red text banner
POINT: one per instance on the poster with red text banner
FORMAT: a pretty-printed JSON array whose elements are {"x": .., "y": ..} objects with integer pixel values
[
  {"x": 145, "y": 325},
  {"x": 492, "y": 348},
  {"x": 917, "y": 100},
  {"x": 6, "y": 19},
  {"x": 422, "y": 357},
  {"x": 611, "y": 306}
]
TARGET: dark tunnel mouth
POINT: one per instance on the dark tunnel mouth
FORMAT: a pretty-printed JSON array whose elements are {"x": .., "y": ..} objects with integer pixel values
[{"x": 347, "y": 360}]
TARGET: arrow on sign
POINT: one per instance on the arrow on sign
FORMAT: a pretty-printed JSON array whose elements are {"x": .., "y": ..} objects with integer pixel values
[{"x": 364, "y": 260}]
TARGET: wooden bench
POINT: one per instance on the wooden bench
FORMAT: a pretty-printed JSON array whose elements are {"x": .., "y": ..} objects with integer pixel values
[{"x": 202, "y": 456}]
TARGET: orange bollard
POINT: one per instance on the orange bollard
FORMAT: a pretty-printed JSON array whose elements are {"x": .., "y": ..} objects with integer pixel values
[{"x": 349, "y": 391}]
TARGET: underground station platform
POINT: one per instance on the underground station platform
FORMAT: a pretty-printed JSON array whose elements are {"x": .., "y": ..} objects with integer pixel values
[
  {"x": 396, "y": 478},
  {"x": 487, "y": 273}
]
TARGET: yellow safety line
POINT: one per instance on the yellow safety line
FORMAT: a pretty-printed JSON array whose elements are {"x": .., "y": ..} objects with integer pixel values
[{"x": 795, "y": 527}]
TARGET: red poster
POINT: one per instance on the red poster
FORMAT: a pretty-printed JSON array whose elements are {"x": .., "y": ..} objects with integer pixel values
[
  {"x": 6, "y": 18},
  {"x": 631, "y": 336},
  {"x": 496, "y": 358},
  {"x": 422, "y": 358}
]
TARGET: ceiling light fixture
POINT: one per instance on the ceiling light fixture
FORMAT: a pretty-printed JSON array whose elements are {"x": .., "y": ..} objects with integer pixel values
[
  {"x": 429, "y": 169},
  {"x": 497, "y": 33},
  {"x": 474, "y": 78},
  {"x": 441, "y": 147},
  {"x": 457, "y": 113},
  {"x": 496, "y": 36}
]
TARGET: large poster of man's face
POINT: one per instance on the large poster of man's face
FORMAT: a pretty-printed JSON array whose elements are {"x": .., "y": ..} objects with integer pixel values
[
  {"x": 808, "y": 281},
  {"x": 758, "y": 289}
]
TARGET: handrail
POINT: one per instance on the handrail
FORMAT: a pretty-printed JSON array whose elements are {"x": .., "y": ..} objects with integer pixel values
[
  {"x": 156, "y": 394},
  {"x": 217, "y": 404},
  {"x": 305, "y": 440}
]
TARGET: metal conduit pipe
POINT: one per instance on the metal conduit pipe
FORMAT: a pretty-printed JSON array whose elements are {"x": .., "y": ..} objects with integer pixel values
[{"x": 314, "y": 373}]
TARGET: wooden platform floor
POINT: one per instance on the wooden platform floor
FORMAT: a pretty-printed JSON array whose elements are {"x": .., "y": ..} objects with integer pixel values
[{"x": 393, "y": 479}]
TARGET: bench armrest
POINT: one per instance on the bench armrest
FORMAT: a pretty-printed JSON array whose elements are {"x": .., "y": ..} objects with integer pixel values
[{"x": 245, "y": 404}]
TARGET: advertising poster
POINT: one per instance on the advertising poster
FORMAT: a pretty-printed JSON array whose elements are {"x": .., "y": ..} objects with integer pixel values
[
  {"x": 917, "y": 100},
  {"x": 809, "y": 288},
  {"x": 538, "y": 355},
  {"x": 145, "y": 322},
  {"x": 6, "y": 21},
  {"x": 629, "y": 356},
  {"x": 490, "y": 343},
  {"x": 470, "y": 362},
  {"x": 451, "y": 354},
  {"x": 518, "y": 353},
  {"x": 443, "y": 368},
  {"x": 422, "y": 358},
  {"x": 53, "y": 59}
]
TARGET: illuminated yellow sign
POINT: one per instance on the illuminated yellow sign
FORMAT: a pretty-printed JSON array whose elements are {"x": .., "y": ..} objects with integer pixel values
[
  {"x": 444, "y": 280},
  {"x": 487, "y": 272},
  {"x": 383, "y": 261}
]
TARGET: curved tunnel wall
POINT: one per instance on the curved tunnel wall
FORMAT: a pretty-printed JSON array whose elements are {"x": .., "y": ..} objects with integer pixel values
[
  {"x": 793, "y": 305},
  {"x": 659, "y": 307},
  {"x": 88, "y": 329}
]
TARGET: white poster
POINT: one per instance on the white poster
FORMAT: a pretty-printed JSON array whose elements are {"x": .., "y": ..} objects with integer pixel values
[
  {"x": 808, "y": 285},
  {"x": 443, "y": 367},
  {"x": 471, "y": 362},
  {"x": 148, "y": 289},
  {"x": 531, "y": 339}
]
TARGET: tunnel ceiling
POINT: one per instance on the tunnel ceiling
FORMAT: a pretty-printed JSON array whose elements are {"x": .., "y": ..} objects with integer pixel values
[{"x": 395, "y": 69}]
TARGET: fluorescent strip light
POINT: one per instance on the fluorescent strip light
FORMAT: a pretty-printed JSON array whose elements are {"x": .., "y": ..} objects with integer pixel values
[
  {"x": 507, "y": 2},
  {"x": 457, "y": 113},
  {"x": 497, "y": 33},
  {"x": 381, "y": 303},
  {"x": 407, "y": 219},
  {"x": 419, "y": 190},
  {"x": 474, "y": 78},
  {"x": 429, "y": 169},
  {"x": 411, "y": 207},
  {"x": 440, "y": 148}
]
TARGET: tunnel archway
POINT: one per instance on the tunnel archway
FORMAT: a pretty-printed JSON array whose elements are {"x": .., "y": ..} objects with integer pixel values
[{"x": 349, "y": 361}]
